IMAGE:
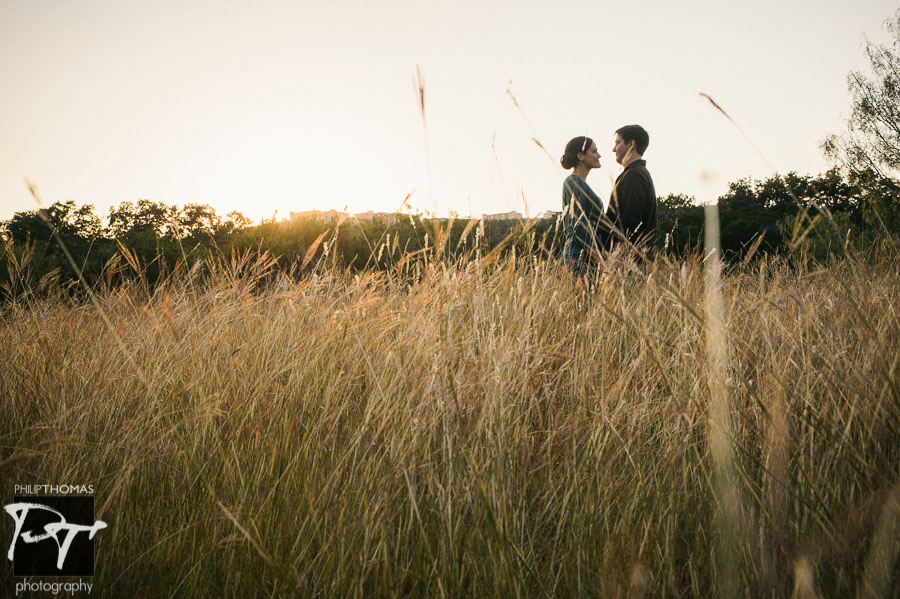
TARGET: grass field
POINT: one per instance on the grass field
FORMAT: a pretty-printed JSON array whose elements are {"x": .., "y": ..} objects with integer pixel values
[{"x": 473, "y": 431}]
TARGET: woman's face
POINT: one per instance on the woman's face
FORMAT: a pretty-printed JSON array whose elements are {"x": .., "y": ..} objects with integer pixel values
[{"x": 591, "y": 158}]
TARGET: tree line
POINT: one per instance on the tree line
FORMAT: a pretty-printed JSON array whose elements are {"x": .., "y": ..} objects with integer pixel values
[
  {"x": 776, "y": 214},
  {"x": 772, "y": 215}
]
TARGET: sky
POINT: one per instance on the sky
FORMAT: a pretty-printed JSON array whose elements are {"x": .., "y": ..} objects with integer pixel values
[{"x": 275, "y": 106}]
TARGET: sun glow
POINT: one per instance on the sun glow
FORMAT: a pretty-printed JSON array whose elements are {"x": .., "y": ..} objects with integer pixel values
[{"x": 291, "y": 107}]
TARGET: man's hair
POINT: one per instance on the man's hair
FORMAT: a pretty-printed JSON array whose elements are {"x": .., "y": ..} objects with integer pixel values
[{"x": 637, "y": 134}]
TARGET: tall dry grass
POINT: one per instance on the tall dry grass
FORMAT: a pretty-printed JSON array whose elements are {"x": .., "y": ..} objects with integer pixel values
[{"x": 470, "y": 432}]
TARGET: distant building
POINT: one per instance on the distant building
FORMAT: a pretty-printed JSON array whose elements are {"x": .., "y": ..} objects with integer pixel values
[
  {"x": 549, "y": 214},
  {"x": 503, "y": 216},
  {"x": 387, "y": 218},
  {"x": 325, "y": 217}
]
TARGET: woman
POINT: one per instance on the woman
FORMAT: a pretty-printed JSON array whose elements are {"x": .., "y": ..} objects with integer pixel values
[{"x": 582, "y": 209}]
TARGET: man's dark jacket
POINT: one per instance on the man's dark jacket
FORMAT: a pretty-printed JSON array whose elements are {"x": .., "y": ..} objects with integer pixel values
[{"x": 632, "y": 207}]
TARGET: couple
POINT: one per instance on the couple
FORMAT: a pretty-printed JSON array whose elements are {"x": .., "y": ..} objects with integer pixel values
[{"x": 630, "y": 219}]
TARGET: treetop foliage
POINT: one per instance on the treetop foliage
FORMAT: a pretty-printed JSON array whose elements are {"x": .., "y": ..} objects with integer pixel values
[{"x": 871, "y": 141}]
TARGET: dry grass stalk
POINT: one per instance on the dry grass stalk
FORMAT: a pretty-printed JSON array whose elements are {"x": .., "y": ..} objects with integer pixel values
[{"x": 466, "y": 430}]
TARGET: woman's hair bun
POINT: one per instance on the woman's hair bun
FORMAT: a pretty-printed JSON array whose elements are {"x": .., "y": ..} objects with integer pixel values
[{"x": 577, "y": 145}]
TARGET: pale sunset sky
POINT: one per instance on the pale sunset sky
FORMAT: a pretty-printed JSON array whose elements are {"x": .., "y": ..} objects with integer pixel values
[{"x": 297, "y": 105}]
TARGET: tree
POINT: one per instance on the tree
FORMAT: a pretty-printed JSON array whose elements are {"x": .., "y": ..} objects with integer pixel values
[
  {"x": 872, "y": 139},
  {"x": 68, "y": 220},
  {"x": 198, "y": 222},
  {"x": 879, "y": 202},
  {"x": 831, "y": 190},
  {"x": 680, "y": 225},
  {"x": 153, "y": 219},
  {"x": 235, "y": 221}
]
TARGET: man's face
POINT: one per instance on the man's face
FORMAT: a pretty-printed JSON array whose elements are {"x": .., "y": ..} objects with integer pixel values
[{"x": 623, "y": 150}]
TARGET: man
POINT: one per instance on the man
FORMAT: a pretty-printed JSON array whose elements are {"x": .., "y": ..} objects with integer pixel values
[{"x": 632, "y": 207}]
